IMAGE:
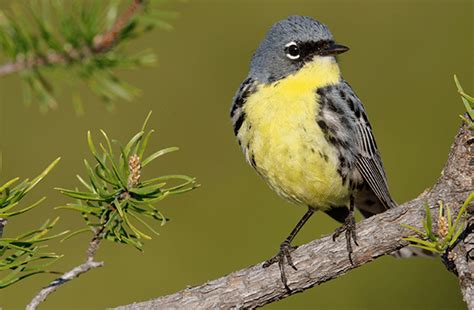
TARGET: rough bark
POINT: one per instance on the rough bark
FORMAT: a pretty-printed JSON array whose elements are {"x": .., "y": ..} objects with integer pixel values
[
  {"x": 461, "y": 261},
  {"x": 322, "y": 260}
]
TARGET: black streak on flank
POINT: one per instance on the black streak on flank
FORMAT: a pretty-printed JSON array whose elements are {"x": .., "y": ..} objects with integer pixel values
[
  {"x": 252, "y": 161},
  {"x": 333, "y": 107},
  {"x": 323, "y": 156},
  {"x": 324, "y": 127},
  {"x": 338, "y": 142},
  {"x": 342, "y": 161},
  {"x": 245, "y": 91},
  {"x": 351, "y": 104},
  {"x": 342, "y": 165},
  {"x": 352, "y": 185},
  {"x": 321, "y": 91},
  {"x": 344, "y": 179},
  {"x": 364, "y": 116},
  {"x": 342, "y": 175},
  {"x": 239, "y": 122},
  {"x": 357, "y": 113},
  {"x": 342, "y": 94}
]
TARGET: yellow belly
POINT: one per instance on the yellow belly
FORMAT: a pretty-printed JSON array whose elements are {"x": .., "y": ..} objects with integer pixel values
[{"x": 287, "y": 145}]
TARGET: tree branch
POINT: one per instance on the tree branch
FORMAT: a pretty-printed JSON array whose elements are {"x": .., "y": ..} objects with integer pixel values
[
  {"x": 462, "y": 262},
  {"x": 322, "y": 260},
  {"x": 3, "y": 222},
  {"x": 73, "y": 273},
  {"x": 102, "y": 44}
]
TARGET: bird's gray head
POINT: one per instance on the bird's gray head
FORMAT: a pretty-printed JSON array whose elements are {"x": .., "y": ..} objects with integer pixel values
[{"x": 288, "y": 45}]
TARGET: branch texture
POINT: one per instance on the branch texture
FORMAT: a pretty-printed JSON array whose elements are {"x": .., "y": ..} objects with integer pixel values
[
  {"x": 461, "y": 257},
  {"x": 322, "y": 260}
]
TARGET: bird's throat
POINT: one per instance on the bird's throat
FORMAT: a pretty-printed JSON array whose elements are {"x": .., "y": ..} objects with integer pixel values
[{"x": 320, "y": 72}]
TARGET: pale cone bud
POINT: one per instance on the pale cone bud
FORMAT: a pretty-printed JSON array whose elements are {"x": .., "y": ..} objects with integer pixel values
[
  {"x": 134, "y": 166},
  {"x": 442, "y": 227}
]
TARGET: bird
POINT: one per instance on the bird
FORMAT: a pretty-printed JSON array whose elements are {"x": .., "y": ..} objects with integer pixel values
[{"x": 303, "y": 129}]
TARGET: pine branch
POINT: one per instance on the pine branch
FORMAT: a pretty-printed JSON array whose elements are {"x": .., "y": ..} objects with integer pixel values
[
  {"x": 81, "y": 38},
  {"x": 115, "y": 198},
  {"x": 323, "y": 260},
  {"x": 102, "y": 44},
  {"x": 23, "y": 256}
]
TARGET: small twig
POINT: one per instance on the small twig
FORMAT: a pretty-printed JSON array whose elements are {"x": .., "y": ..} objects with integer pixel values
[
  {"x": 3, "y": 222},
  {"x": 94, "y": 243},
  {"x": 102, "y": 44},
  {"x": 106, "y": 41},
  {"x": 73, "y": 273}
]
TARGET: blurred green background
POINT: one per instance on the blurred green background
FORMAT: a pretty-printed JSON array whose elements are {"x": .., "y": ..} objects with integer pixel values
[{"x": 402, "y": 59}]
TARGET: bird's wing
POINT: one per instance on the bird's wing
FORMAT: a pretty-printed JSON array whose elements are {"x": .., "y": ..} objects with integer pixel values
[{"x": 369, "y": 164}]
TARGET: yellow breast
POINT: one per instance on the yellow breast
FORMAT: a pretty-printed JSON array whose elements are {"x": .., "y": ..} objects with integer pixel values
[{"x": 281, "y": 136}]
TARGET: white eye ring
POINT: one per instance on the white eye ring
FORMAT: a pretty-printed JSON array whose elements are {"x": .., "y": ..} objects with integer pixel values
[{"x": 292, "y": 48}]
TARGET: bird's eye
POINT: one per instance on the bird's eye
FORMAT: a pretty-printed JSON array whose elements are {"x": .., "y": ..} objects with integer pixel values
[{"x": 292, "y": 50}]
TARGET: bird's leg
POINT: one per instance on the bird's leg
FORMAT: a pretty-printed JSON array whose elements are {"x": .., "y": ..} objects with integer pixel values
[
  {"x": 349, "y": 228},
  {"x": 286, "y": 248}
]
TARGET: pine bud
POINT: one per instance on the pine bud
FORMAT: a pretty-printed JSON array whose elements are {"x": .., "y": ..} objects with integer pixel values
[
  {"x": 134, "y": 167},
  {"x": 442, "y": 227}
]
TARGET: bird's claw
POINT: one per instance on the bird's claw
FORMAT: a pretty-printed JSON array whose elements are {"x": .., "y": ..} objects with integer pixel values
[
  {"x": 284, "y": 253},
  {"x": 349, "y": 229}
]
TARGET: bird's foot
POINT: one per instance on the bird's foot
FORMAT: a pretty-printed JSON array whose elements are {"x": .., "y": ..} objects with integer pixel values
[
  {"x": 349, "y": 228},
  {"x": 285, "y": 253}
]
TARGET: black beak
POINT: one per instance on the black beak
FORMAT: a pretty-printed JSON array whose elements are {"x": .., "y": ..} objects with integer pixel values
[{"x": 334, "y": 49}]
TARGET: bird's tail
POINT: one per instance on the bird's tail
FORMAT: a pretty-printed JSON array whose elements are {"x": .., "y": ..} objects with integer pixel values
[{"x": 408, "y": 252}]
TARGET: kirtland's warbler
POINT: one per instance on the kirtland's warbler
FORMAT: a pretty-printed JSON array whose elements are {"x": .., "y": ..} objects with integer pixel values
[{"x": 304, "y": 130}]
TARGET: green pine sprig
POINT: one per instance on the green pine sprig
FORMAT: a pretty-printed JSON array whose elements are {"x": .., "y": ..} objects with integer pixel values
[
  {"x": 115, "y": 200},
  {"x": 447, "y": 231},
  {"x": 11, "y": 194},
  {"x": 468, "y": 101},
  {"x": 23, "y": 256}
]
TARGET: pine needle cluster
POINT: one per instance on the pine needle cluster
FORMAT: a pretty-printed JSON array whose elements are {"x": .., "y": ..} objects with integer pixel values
[{"x": 82, "y": 41}]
